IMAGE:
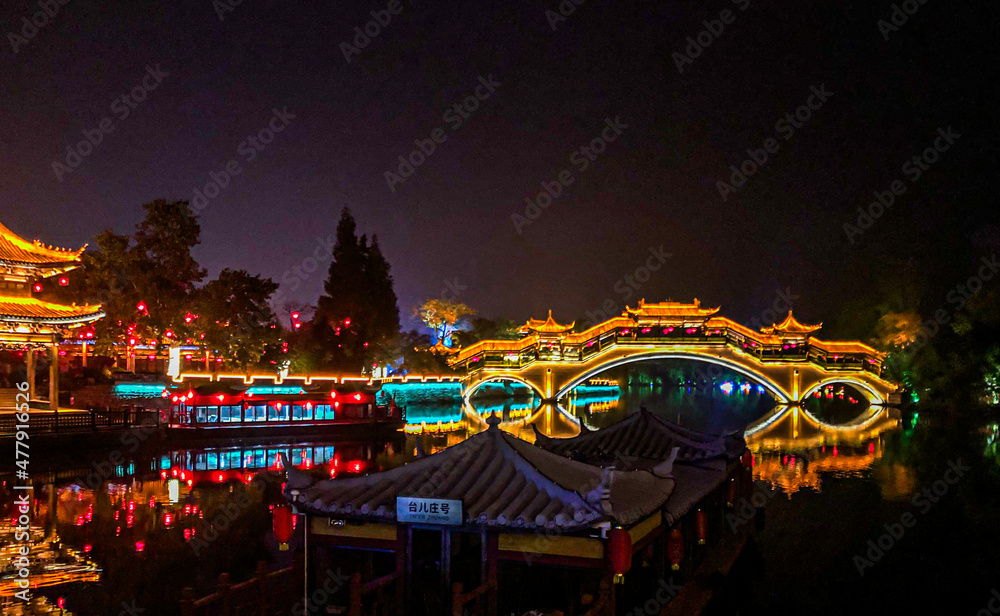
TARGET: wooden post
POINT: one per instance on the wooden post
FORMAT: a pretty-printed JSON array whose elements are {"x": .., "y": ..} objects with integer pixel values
[
  {"x": 224, "y": 586},
  {"x": 355, "y": 605},
  {"x": 446, "y": 564},
  {"x": 456, "y": 599},
  {"x": 492, "y": 556},
  {"x": 187, "y": 601},
  {"x": 29, "y": 360},
  {"x": 402, "y": 547},
  {"x": 262, "y": 586}
]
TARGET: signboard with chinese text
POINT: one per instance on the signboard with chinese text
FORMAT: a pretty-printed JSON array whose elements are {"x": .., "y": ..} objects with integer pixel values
[{"x": 414, "y": 510}]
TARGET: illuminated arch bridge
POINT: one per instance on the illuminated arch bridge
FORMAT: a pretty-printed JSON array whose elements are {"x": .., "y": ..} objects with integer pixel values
[{"x": 785, "y": 358}]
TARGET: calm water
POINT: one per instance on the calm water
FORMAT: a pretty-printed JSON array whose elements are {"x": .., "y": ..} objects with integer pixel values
[{"x": 145, "y": 534}]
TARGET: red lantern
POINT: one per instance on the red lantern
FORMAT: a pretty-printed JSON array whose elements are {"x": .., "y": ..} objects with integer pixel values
[
  {"x": 747, "y": 458},
  {"x": 620, "y": 553},
  {"x": 675, "y": 548},
  {"x": 701, "y": 524},
  {"x": 281, "y": 523}
]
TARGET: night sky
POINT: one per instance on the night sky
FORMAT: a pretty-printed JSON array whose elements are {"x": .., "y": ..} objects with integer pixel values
[{"x": 655, "y": 184}]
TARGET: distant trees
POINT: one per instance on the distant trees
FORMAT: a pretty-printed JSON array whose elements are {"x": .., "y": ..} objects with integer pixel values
[
  {"x": 357, "y": 318},
  {"x": 442, "y": 317},
  {"x": 149, "y": 286},
  {"x": 236, "y": 319},
  {"x": 145, "y": 281}
]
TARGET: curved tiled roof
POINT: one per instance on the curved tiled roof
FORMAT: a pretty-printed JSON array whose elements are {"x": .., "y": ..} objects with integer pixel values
[
  {"x": 671, "y": 309},
  {"x": 548, "y": 326},
  {"x": 32, "y": 310},
  {"x": 17, "y": 250},
  {"x": 501, "y": 480},
  {"x": 790, "y": 325},
  {"x": 646, "y": 436}
]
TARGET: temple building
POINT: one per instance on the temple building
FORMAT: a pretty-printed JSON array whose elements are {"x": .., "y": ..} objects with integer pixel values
[{"x": 27, "y": 323}]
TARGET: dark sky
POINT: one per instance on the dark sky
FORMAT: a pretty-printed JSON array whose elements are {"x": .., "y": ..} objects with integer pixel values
[{"x": 653, "y": 186}]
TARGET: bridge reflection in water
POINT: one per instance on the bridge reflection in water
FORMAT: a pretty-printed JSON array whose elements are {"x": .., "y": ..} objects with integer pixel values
[{"x": 152, "y": 507}]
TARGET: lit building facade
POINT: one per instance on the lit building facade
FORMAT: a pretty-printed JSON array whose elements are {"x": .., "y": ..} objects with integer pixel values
[{"x": 28, "y": 324}]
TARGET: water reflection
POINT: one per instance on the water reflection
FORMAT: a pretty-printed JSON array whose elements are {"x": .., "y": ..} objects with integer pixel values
[
  {"x": 794, "y": 450},
  {"x": 174, "y": 517}
]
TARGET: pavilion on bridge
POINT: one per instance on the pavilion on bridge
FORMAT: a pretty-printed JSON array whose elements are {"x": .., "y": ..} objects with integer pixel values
[{"x": 29, "y": 324}]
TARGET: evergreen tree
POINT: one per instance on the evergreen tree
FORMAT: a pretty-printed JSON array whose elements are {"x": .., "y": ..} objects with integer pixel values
[{"x": 357, "y": 319}]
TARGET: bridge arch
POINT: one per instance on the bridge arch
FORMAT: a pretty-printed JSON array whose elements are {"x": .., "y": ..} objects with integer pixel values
[
  {"x": 874, "y": 397},
  {"x": 500, "y": 377},
  {"x": 757, "y": 377}
]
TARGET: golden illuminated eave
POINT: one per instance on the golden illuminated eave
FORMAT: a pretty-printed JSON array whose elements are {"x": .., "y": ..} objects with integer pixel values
[
  {"x": 548, "y": 326},
  {"x": 671, "y": 310},
  {"x": 790, "y": 326},
  {"x": 17, "y": 311},
  {"x": 17, "y": 253}
]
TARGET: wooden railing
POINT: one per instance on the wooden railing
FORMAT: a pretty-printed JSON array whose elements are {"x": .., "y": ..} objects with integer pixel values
[
  {"x": 269, "y": 593},
  {"x": 378, "y": 586},
  {"x": 76, "y": 421},
  {"x": 459, "y": 599}
]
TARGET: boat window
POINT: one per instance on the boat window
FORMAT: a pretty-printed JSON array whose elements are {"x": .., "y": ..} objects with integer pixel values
[
  {"x": 213, "y": 461},
  {"x": 199, "y": 414},
  {"x": 213, "y": 414},
  {"x": 199, "y": 462}
]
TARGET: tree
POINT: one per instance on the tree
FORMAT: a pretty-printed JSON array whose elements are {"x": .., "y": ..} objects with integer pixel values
[
  {"x": 442, "y": 317},
  {"x": 237, "y": 319},
  {"x": 357, "y": 318},
  {"x": 145, "y": 281}
]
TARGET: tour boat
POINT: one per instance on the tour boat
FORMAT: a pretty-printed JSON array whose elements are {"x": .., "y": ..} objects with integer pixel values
[{"x": 228, "y": 410}]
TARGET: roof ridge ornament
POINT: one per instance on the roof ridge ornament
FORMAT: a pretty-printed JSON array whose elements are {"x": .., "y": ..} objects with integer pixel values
[
  {"x": 493, "y": 421},
  {"x": 600, "y": 496}
]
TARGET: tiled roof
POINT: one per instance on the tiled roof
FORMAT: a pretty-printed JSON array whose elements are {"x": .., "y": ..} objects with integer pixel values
[
  {"x": 671, "y": 309},
  {"x": 502, "y": 482},
  {"x": 15, "y": 249},
  {"x": 32, "y": 310},
  {"x": 548, "y": 326},
  {"x": 790, "y": 325},
  {"x": 640, "y": 437}
]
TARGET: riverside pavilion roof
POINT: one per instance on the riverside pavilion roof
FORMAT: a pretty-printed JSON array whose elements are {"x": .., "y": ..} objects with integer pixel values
[
  {"x": 502, "y": 481},
  {"x": 16, "y": 251},
  {"x": 33, "y": 310}
]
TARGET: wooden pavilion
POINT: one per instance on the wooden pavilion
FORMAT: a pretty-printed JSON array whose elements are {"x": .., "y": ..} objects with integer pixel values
[
  {"x": 29, "y": 324},
  {"x": 522, "y": 527}
]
